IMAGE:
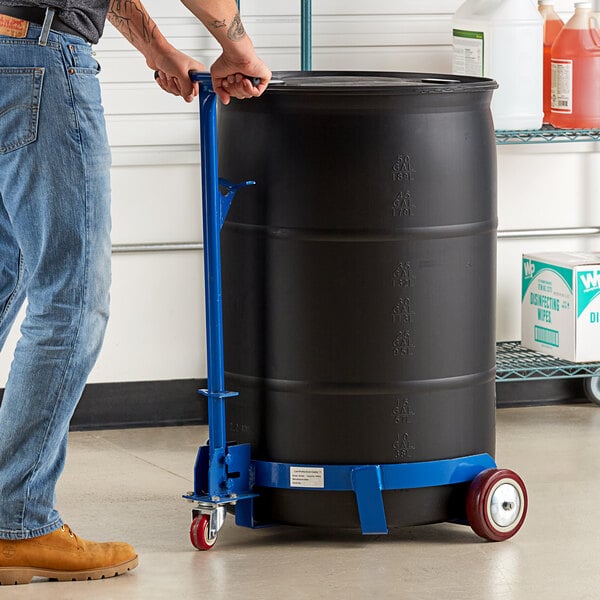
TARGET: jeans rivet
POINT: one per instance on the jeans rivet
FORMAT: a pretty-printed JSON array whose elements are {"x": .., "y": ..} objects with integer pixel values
[{"x": 72, "y": 71}]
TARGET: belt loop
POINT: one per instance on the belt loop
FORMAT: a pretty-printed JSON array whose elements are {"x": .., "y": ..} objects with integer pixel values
[{"x": 46, "y": 26}]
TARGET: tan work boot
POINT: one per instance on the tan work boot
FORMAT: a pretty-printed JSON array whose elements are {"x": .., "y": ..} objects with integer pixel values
[{"x": 62, "y": 556}]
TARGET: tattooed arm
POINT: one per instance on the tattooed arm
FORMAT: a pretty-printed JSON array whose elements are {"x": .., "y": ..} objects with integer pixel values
[
  {"x": 132, "y": 20},
  {"x": 222, "y": 19}
]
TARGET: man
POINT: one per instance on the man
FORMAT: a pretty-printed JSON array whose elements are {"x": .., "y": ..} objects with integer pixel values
[{"x": 55, "y": 245}]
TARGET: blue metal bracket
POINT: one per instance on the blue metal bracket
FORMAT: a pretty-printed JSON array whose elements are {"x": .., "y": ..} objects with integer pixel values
[
  {"x": 212, "y": 486},
  {"x": 367, "y": 485},
  {"x": 226, "y": 199},
  {"x": 368, "y": 481}
]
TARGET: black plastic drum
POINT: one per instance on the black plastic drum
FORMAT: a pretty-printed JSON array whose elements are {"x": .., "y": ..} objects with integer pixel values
[{"x": 359, "y": 281}]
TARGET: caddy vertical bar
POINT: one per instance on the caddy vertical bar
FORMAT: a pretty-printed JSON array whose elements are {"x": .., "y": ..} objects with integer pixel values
[{"x": 211, "y": 201}]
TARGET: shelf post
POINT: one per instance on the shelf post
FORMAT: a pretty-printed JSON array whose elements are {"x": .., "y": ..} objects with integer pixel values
[{"x": 306, "y": 35}]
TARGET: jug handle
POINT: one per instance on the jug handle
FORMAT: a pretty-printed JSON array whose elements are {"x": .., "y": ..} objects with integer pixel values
[{"x": 595, "y": 28}]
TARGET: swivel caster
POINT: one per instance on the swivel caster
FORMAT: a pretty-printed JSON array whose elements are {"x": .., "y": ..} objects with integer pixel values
[
  {"x": 200, "y": 535},
  {"x": 496, "y": 504}
]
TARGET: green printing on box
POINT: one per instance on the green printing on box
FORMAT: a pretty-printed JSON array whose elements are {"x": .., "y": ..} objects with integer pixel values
[{"x": 546, "y": 336}]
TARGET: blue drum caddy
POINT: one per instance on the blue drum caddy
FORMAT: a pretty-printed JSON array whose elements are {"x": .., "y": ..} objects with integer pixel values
[{"x": 354, "y": 309}]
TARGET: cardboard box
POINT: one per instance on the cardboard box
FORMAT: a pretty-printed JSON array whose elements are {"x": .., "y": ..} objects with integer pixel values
[{"x": 560, "y": 304}]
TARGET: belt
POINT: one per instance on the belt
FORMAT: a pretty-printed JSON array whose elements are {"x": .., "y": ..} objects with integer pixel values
[{"x": 36, "y": 15}]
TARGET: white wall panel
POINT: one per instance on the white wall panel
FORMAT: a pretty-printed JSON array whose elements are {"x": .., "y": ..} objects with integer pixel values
[
  {"x": 131, "y": 130},
  {"x": 164, "y": 206},
  {"x": 156, "y": 329},
  {"x": 123, "y": 156}
]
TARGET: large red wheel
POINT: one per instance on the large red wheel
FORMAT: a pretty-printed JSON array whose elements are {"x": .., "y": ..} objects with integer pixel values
[
  {"x": 200, "y": 533},
  {"x": 496, "y": 504}
]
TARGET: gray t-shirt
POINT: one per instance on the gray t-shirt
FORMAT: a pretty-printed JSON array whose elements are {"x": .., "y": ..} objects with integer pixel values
[{"x": 85, "y": 16}]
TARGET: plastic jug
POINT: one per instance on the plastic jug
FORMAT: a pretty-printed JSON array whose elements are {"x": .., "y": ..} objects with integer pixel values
[
  {"x": 552, "y": 26},
  {"x": 503, "y": 39},
  {"x": 576, "y": 71}
]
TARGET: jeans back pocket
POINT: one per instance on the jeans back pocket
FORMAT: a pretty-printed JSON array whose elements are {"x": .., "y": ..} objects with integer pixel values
[{"x": 20, "y": 97}]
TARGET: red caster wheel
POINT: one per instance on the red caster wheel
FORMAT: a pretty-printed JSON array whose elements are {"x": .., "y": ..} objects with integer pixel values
[
  {"x": 496, "y": 504},
  {"x": 200, "y": 533}
]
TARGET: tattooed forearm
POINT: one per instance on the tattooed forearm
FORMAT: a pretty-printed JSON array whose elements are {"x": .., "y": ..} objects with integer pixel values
[
  {"x": 218, "y": 24},
  {"x": 236, "y": 30},
  {"x": 132, "y": 20}
]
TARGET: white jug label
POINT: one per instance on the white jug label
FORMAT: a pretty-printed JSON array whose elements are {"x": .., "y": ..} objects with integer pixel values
[
  {"x": 562, "y": 86},
  {"x": 468, "y": 49}
]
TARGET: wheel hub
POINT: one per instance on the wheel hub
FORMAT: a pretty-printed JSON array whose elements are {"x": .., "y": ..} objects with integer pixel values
[{"x": 505, "y": 505}]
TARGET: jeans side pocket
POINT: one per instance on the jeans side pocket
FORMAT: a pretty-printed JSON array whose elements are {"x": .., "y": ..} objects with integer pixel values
[
  {"x": 20, "y": 98},
  {"x": 81, "y": 60}
]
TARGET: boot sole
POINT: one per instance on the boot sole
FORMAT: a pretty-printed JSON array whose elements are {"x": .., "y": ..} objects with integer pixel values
[{"x": 22, "y": 575}]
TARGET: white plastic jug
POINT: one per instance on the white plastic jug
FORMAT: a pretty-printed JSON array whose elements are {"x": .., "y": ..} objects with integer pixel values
[{"x": 503, "y": 39}]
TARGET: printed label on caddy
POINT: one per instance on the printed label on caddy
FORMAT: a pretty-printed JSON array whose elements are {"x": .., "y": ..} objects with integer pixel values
[{"x": 307, "y": 477}]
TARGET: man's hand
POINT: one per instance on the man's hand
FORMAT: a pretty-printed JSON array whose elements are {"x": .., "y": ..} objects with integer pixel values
[
  {"x": 229, "y": 81},
  {"x": 172, "y": 73}
]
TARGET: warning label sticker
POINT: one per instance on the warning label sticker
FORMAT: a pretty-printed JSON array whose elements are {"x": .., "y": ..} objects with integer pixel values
[
  {"x": 307, "y": 477},
  {"x": 562, "y": 86}
]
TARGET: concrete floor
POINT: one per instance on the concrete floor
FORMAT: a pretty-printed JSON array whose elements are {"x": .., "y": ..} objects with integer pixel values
[{"x": 127, "y": 485}]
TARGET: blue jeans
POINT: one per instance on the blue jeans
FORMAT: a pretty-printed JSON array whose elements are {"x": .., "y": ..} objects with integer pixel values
[{"x": 55, "y": 253}]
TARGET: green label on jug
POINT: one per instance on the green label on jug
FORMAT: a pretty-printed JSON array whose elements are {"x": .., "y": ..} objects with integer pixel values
[{"x": 468, "y": 52}]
